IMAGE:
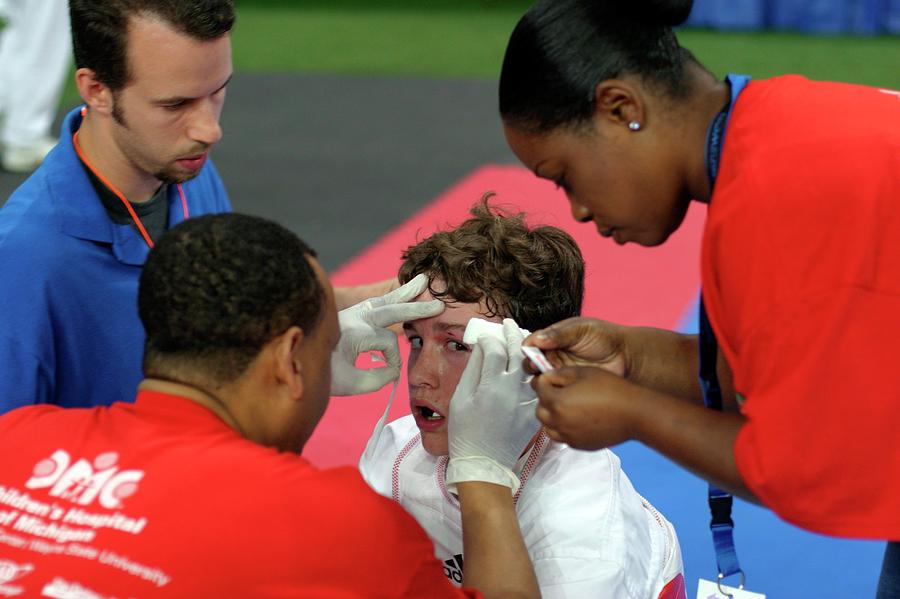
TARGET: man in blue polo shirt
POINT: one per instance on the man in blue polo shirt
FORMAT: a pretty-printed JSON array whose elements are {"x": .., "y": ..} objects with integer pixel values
[{"x": 130, "y": 164}]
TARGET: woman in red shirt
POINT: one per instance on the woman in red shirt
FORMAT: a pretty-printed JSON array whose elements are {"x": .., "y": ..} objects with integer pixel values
[{"x": 800, "y": 263}]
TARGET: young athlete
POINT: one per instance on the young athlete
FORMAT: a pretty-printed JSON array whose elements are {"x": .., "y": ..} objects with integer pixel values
[
  {"x": 589, "y": 533},
  {"x": 799, "y": 263}
]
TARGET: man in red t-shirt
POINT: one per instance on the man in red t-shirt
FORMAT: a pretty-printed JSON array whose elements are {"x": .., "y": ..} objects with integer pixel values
[{"x": 198, "y": 488}]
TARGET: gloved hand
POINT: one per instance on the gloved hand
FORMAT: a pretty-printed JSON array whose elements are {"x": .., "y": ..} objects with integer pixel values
[
  {"x": 491, "y": 413},
  {"x": 363, "y": 329}
]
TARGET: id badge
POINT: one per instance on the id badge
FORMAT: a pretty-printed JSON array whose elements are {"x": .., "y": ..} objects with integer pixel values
[{"x": 707, "y": 589}]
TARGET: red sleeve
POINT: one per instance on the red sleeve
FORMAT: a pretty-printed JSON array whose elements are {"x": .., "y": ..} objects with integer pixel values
[
  {"x": 824, "y": 407},
  {"x": 398, "y": 556},
  {"x": 414, "y": 554}
]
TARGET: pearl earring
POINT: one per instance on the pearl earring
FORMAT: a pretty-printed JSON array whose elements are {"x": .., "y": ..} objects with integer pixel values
[{"x": 634, "y": 126}]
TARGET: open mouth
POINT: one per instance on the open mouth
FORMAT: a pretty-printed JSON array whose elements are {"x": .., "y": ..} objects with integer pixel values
[
  {"x": 427, "y": 418},
  {"x": 429, "y": 414}
]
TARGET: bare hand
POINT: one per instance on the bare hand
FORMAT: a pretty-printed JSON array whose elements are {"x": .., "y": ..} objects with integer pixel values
[
  {"x": 588, "y": 408},
  {"x": 582, "y": 342}
]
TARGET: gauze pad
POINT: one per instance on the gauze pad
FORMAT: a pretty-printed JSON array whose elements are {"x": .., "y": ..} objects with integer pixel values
[{"x": 478, "y": 327}]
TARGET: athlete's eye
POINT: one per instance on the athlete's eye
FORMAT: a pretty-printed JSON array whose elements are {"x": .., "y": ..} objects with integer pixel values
[
  {"x": 175, "y": 105},
  {"x": 415, "y": 342},
  {"x": 457, "y": 346}
]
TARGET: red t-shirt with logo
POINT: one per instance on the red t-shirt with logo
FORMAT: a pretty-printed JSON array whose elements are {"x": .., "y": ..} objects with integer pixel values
[
  {"x": 161, "y": 498},
  {"x": 801, "y": 280}
]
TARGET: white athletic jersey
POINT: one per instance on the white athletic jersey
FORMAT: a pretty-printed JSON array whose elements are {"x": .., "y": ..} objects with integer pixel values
[{"x": 588, "y": 532}]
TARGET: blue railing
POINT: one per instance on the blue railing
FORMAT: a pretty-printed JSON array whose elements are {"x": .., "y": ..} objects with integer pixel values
[{"x": 860, "y": 17}]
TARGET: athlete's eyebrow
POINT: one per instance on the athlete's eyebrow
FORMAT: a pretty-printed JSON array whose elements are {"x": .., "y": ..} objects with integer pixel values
[
  {"x": 179, "y": 99},
  {"x": 450, "y": 326},
  {"x": 442, "y": 326}
]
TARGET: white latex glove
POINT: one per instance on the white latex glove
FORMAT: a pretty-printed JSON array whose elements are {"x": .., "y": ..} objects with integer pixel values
[
  {"x": 363, "y": 329},
  {"x": 491, "y": 413}
]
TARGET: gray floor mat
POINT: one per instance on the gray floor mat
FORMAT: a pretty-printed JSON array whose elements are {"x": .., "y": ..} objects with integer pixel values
[{"x": 341, "y": 160}]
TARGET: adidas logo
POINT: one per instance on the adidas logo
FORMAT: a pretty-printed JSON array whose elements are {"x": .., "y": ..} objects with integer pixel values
[{"x": 453, "y": 568}]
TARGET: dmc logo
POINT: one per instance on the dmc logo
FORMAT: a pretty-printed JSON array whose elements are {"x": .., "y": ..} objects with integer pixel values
[{"x": 82, "y": 482}]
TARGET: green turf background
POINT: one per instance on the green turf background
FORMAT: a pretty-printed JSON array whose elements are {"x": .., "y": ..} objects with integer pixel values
[{"x": 466, "y": 38}]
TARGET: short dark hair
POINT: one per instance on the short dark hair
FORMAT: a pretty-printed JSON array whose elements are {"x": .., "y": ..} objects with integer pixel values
[
  {"x": 217, "y": 288},
  {"x": 100, "y": 29},
  {"x": 534, "y": 275},
  {"x": 561, "y": 49}
]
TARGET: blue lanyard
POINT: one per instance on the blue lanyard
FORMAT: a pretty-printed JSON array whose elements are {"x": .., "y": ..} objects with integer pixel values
[{"x": 720, "y": 502}]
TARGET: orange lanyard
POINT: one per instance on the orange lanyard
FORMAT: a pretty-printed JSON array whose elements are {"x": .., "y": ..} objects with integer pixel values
[{"x": 121, "y": 196}]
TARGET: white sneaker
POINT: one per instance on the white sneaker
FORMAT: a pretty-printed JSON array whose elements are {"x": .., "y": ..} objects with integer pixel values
[{"x": 24, "y": 159}]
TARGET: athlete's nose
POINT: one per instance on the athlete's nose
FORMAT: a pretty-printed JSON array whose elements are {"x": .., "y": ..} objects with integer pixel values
[{"x": 423, "y": 371}]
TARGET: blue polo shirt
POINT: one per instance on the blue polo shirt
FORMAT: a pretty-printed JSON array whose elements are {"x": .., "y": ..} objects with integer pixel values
[{"x": 69, "y": 328}]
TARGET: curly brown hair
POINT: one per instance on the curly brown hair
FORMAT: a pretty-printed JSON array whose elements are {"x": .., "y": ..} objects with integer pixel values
[{"x": 532, "y": 275}]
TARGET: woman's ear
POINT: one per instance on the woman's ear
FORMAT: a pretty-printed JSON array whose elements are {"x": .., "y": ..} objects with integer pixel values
[
  {"x": 620, "y": 103},
  {"x": 288, "y": 363},
  {"x": 95, "y": 94}
]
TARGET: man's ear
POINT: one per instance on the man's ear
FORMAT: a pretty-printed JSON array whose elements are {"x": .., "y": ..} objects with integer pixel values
[
  {"x": 96, "y": 94},
  {"x": 619, "y": 103},
  {"x": 288, "y": 364}
]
